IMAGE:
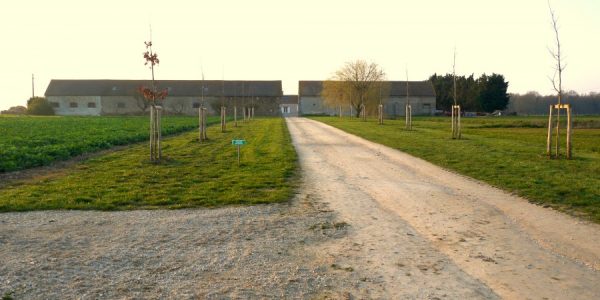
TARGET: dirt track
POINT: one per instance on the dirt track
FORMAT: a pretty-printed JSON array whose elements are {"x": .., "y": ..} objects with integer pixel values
[
  {"x": 369, "y": 222},
  {"x": 420, "y": 227}
]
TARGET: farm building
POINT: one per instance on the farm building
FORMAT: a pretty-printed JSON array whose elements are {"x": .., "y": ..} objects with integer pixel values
[
  {"x": 121, "y": 97},
  {"x": 421, "y": 95},
  {"x": 289, "y": 106}
]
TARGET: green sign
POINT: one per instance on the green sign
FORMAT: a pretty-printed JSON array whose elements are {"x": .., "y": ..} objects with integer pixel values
[{"x": 238, "y": 142}]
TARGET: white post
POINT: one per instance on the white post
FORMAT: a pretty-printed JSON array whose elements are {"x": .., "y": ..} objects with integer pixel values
[
  {"x": 456, "y": 134},
  {"x": 459, "y": 133},
  {"x": 159, "y": 131},
  {"x": 152, "y": 133},
  {"x": 569, "y": 131},
  {"x": 549, "y": 140}
]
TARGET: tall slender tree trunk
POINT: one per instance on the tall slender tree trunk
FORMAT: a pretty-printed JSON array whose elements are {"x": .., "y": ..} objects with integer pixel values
[
  {"x": 223, "y": 117},
  {"x": 235, "y": 116},
  {"x": 202, "y": 122},
  {"x": 558, "y": 124},
  {"x": 152, "y": 144},
  {"x": 549, "y": 139},
  {"x": 159, "y": 132},
  {"x": 155, "y": 133}
]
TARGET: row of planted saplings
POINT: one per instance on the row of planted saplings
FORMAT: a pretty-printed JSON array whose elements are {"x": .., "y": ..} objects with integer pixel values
[
  {"x": 153, "y": 96},
  {"x": 248, "y": 113}
]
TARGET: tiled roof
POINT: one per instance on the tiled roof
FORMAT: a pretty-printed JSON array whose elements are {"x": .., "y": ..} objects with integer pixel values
[
  {"x": 289, "y": 99},
  {"x": 398, "y": 88},
  {"x": 183, "y": 88}
]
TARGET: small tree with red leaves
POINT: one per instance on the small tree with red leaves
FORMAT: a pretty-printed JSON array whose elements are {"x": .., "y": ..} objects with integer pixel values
[{"x": 153, "y": 96}]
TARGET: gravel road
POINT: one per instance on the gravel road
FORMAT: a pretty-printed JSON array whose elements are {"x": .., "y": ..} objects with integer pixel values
[
  {"x": 460, "y": 235},
  {"x": 266, "y": 251},
  {"x": 369, "y": 222}
]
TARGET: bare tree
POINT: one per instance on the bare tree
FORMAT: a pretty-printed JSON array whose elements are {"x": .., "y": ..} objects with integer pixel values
[
  {"x": 202, "y": 113},
  {"x": 358, "y": 83},
  {"x": 337, "y": 94},
  {"x": 556, "y": 80},
  {"x": 556, "y": 54},
  {"x": 153, "y": 96}
]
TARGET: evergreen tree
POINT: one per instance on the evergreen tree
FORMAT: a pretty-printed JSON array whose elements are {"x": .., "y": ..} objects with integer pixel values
[
  {"x": 487, "y": 93},
  {"x": 493, "y": 95}
]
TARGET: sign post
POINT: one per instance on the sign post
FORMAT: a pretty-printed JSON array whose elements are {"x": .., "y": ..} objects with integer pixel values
[{"x": 238, "y": 143}]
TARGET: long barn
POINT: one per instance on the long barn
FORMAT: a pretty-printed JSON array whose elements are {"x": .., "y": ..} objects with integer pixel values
[
  {"x": 121, "y": 97},
  {"x": 420, "y": 93}
]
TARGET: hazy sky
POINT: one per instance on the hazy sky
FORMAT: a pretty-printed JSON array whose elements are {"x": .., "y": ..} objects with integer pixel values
[{"x": 294, "y": 40}]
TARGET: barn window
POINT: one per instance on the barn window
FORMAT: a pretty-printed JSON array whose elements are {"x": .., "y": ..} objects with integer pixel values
[
  {"x": 196, "y": 105},
  {"x": 120, "y": 105},
  {"x": 54, "y": 104},
  {"x": 91, "y": 104},
  {"x": 73, "y": 104}
]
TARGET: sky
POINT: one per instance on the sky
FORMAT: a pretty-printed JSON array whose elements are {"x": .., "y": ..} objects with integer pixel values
[{"x": 294, "y": 40}]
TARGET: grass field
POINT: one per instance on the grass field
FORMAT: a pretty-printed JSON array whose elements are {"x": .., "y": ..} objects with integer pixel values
[
  {"x": 192, "y": 175},
  {"x": 507, "y": 152},
  {"x": 27, "y": 141}
]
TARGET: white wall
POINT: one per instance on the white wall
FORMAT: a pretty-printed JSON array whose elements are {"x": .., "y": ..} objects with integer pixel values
[
  {"x": 314, "y": 106},
  {"x": 292, "y": 110},
  {"x": 64, "y": 105},
  {"x": 394, "y": 106}
]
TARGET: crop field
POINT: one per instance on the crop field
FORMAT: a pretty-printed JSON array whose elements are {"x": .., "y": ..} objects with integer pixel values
[
  {"x": 192, "y": 174},
  {"x": 507, "y": 152},
  {"x": 27, "y": 142}
]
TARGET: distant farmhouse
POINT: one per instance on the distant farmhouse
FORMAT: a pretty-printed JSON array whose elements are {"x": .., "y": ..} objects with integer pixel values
[
  {"x": 421, "y": 95},
  {"x": 289, "y": 105},
  {"x": 121, "y": 97}
]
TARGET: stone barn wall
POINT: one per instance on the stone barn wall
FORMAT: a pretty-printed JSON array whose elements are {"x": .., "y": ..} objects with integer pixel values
[
  {"x": 421, "y": 106},
  {"x": 76, "y": 105}
]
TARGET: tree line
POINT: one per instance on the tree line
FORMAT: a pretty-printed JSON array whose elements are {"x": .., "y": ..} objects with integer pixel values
[
  {"x": 37, "y": 106},
  {"x": 486, "y": 93},
  {"x": 532, "y": 103}
]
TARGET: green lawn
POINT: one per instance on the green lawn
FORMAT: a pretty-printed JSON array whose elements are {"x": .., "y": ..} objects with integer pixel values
[
  {"x": 193, "y": 174},
  {"x": 507, "y": 152},
  {"x": 27, "y": 141}
]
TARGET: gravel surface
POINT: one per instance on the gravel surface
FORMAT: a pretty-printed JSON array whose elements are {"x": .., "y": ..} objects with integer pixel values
[
  {"x": 266, "y": 251},
  {"x": 369, "y": 222},
  {"x": 465, "y": 238}
]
